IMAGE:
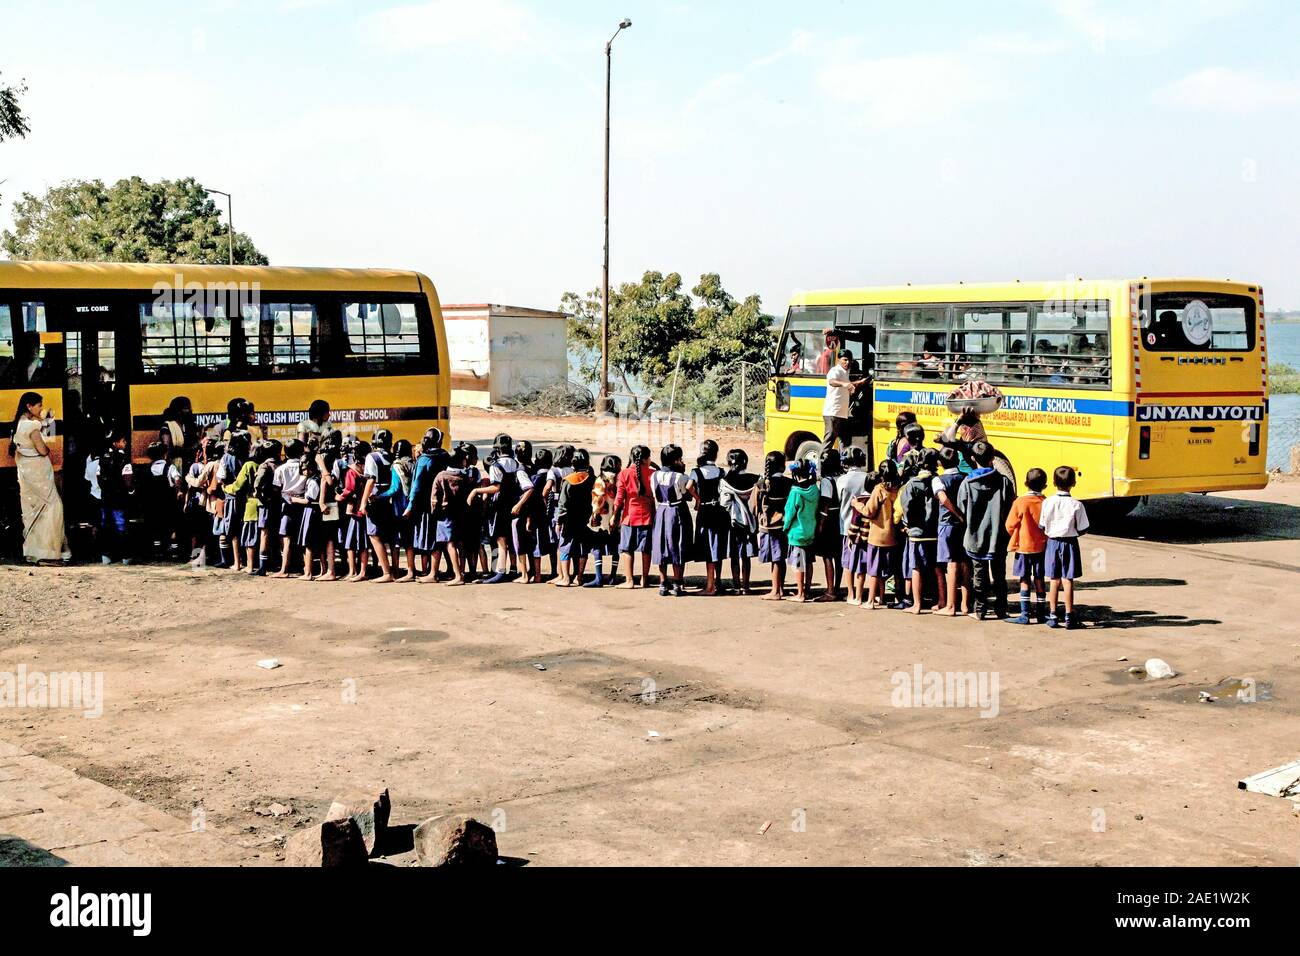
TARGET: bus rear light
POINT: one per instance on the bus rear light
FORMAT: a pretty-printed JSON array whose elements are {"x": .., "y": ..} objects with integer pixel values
[
  {"x": 1254, "y": 439},
  {"x": 1144, "y": 442}
]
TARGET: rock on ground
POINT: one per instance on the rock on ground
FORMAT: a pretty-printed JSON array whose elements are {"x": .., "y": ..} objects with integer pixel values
[
  {"x": 369, "y": 809},
  {"x": 455, "y": 841},
  {"x": 332, "y": 843}
]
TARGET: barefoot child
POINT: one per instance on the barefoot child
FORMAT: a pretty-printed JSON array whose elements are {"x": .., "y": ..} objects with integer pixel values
[
  {"x": 310, "y": 530},
  {"x": 573, "y": 518},
  {"x": 829, "y": 542},
  {"x": 800, "y": 525},
  {"x": 737, "y": 491},
  {"x": 1063, "y": 519},
  {"x": 882, "y": 533},
  {"x": 711, "y": 520},
  {"x": 671, "y": 536},
  {"x": 1029, "y": 544},
  {"x": 376, "y": 506},
  {"x": 856, "y": 531},
  {"x": 773, "y": 495},
  {"x": 919, "y": 510},
  {"x": 634, "y": 513},
  {"x": 354, "y": 525},
  {"x": 952, "y": 526}
]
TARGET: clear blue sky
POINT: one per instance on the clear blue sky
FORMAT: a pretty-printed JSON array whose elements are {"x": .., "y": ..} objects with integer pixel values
[{"x": 783, "y": 145}]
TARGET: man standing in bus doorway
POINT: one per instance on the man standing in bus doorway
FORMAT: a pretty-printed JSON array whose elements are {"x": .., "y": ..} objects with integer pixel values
[{"x": 835, "y": 411}]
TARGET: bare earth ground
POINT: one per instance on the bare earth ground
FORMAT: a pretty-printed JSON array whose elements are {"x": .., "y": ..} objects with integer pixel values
[{"x": 764, "y": 712}]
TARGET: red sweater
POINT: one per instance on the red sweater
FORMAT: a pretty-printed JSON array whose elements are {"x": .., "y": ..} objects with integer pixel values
[{"x": 637, "y": 510}]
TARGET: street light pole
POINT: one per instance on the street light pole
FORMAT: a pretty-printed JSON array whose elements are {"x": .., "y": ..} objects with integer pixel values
[
  {"x": 603, "y": 402},
  {"x": 230, "y": 223}
]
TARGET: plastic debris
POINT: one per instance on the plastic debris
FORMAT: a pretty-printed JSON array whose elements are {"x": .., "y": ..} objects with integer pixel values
[
  {"x": 270, "y": 664},
  {"x": 1157, "y": 669}
]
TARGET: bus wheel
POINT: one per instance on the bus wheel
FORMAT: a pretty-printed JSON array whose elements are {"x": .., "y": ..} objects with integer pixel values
[{"x": 808, "y": 449}]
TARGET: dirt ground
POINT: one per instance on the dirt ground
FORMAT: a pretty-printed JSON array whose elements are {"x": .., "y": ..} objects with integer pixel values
[{"x": 675, "y": 731}]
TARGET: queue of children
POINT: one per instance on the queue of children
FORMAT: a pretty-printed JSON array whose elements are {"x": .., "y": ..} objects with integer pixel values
[{"x": 930, "y": 528}]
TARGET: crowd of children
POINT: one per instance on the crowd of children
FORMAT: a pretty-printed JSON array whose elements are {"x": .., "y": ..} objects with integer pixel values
[{"x": 930, "y": 527}]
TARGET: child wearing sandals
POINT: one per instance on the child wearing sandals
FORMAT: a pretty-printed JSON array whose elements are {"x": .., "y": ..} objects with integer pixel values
[
  {"x": 602, "y": 536},
  {"x": 671, "y": 534},
  {"x": 1063, "y": 519}
]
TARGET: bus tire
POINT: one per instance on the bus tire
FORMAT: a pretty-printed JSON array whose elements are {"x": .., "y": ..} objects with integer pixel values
[
  {"x": 1111, "y": 510},
  {"x": 797, "y": 445},
  {"x": 810, "y": 448}
]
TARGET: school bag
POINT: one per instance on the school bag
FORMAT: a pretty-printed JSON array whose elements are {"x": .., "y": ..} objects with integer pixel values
[
  {"x": 743, "y": 519},
  {"x": 264, "y": 489},
  {"x": 921, "y": 517}
]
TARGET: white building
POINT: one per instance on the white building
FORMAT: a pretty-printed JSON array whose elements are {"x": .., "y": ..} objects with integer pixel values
[{"x": 503, "y": 351}]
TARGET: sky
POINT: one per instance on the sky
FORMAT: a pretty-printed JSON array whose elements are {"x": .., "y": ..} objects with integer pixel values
[{"x": 785, "y": 146}]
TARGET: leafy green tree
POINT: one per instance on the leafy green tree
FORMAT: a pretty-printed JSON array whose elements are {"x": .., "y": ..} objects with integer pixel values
[
  {"x": 129, "y": 221},
  {"x": 13, "y": 124}
]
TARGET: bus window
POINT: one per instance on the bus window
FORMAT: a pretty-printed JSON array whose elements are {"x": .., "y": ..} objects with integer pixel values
[
  {"x": 24, "y": 348},
  {"x": 6, "y": 342},
  {"x": 289, "y": 338},
  {"x": 804, "y": 339},
  {"x": 1198, "y": 322},
  {"x": 1071, "y": 344},
  {"x": 990, "y": 342},
  {"x": 913, "y": 342},
  {"x": 382, "y": 336}
]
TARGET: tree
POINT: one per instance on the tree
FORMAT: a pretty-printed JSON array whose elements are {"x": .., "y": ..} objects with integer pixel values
[
  {"x": 130, "y": 221},
  {"x": 13, "y": 124}
]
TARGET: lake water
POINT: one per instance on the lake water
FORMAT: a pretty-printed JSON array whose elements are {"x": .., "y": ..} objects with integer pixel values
[{"x": 1283, "y": 410}]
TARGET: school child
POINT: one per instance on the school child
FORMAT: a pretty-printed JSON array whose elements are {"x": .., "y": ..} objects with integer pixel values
[
  {"x": 288, "y": 481},
  {"x": 196, "y": 522},
  {"x": 800, "y": 525},
  {"x": 376, "y": 505},
  {"x": 634, "y": 513},
  {"x": 551, "y": 471},
  {"x": 773, "y": 548},
  {"x": 1029, "y": 544},
  {"x": 882, "y": 533},
  {"x": 737, "y": 494},
  {"x": 477, "y": 549},
  {"x": 329, "y": 507},
  {"x": 711, "y": 520},
  {"x": 898, "y": 446},
  {"x": 573, "y": 519},
  {"x": 950, "y": 552},
  {"x": 985, "y": 499},
  {"x": 432, "y": 461},
  {"x": 399, "y": 492},
  {"x": 602, "y": 531},
  {"x": 536, "y": 516},
  {"x": 353, "y": 524},
  {"x": 829, "y": 543},
  {"x": 310, "y": 531},
  {"x": 671, "y": 536},
  {"x": 856, "y": 539},
  {"x": 115, "y": 499},
  {"x": 1063, "y": 518},
  {"x": 507, "y": 483},
  {"x": 918, "y": 509},
  {"x": 239, "y": 495},
  {"x": 911, "y": 450},
  {"x": 456, "y": 529},
  {"x": 162, "y": 500},
  {"x": 214, "y": 452},
  {"x": 267, "y": 498},
  {"x": 223, "y": 521}
]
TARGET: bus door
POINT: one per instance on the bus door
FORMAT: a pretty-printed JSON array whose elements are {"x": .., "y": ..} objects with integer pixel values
[
  {"x": 858, "y": 327},
  {"x": 94, "y": 337}
]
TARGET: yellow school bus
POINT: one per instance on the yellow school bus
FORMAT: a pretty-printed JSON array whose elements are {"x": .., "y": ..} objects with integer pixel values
[
  {"x": 109, "y": 346},
  {"x": 1145, "y": 386}
]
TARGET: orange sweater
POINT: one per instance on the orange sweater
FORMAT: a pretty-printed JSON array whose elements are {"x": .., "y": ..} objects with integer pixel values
[{"x": 1022, "y": 525}]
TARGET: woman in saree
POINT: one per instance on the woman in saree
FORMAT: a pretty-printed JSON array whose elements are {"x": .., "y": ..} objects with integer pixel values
[{"x": 44, "y": 538}]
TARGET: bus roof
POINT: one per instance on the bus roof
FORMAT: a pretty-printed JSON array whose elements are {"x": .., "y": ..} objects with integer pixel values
[
  {"x": 1006, "y": 291},
  {"x": 132, "y": 275}
]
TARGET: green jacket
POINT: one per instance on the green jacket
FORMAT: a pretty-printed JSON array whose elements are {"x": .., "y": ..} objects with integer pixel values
[{"x": 801, "y": 515}]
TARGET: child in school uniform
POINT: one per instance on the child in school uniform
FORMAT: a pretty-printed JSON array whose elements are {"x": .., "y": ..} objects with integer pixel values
[
  {"x": 310, "y": 530},
  {"x": 918, "y": 510},
  {"x": 857, "y": 530},
  {"x": 573, "y": 518},
  {"x": 551, "y": 470},
  {"x": 535, "y": 541},
  {"x": 239, "y": 495},
  {"x": 328, "y": 461},
  {"x": 432, "y": 461},
  {"x": 950, "y": 553},
  {"x": 231, "y": 527},
  {"x": 737, "y": 494},
  {"x": 288, "y": 482},
  {"x": 455, "y": 533},
  {"x": 634, "y": 513},
  {"x": 477, "y": 546},
  {"x": 507, "y": 484},
  {"x": 115, "y": 500},
  {"x": 800, "y": 525},
  {"x": 773, "y": 495},
  {"x": 985, "y": 499},
  {"x": 711, "y": 520},
  {"x": 1063, "y": 518},
  {"x": 1029, "y": 545},
  {"x": 882, "y": 533},
  {"x": 829, "y": 542},
  {"x": 671, "y": 535},
  {"x": 399, "y": 493},
  {"x": 354, "y": 525},
  {"x": 267, "y": 499},
  {"x": 376, "y": 505},
  {"x": 602, "y": 531},
  {"x": 162, "y": 500}
]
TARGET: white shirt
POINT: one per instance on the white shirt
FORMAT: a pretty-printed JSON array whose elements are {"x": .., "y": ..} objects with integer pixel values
[
  {"x": 1063, "y": 516},
  {"x": 92, "y": 476},
  {"x": 837, "y": 397},
  {"x": 288, "y": 480},
  {"x": 156, "y": 469},
  {"x": 509, "y": 466}
]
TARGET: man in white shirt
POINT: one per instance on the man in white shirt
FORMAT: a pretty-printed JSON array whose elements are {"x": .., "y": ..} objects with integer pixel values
[{"x": 835, "y": 410}]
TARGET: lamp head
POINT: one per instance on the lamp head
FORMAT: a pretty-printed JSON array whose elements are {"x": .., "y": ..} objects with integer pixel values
[{"x": 624, "y": 23}]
